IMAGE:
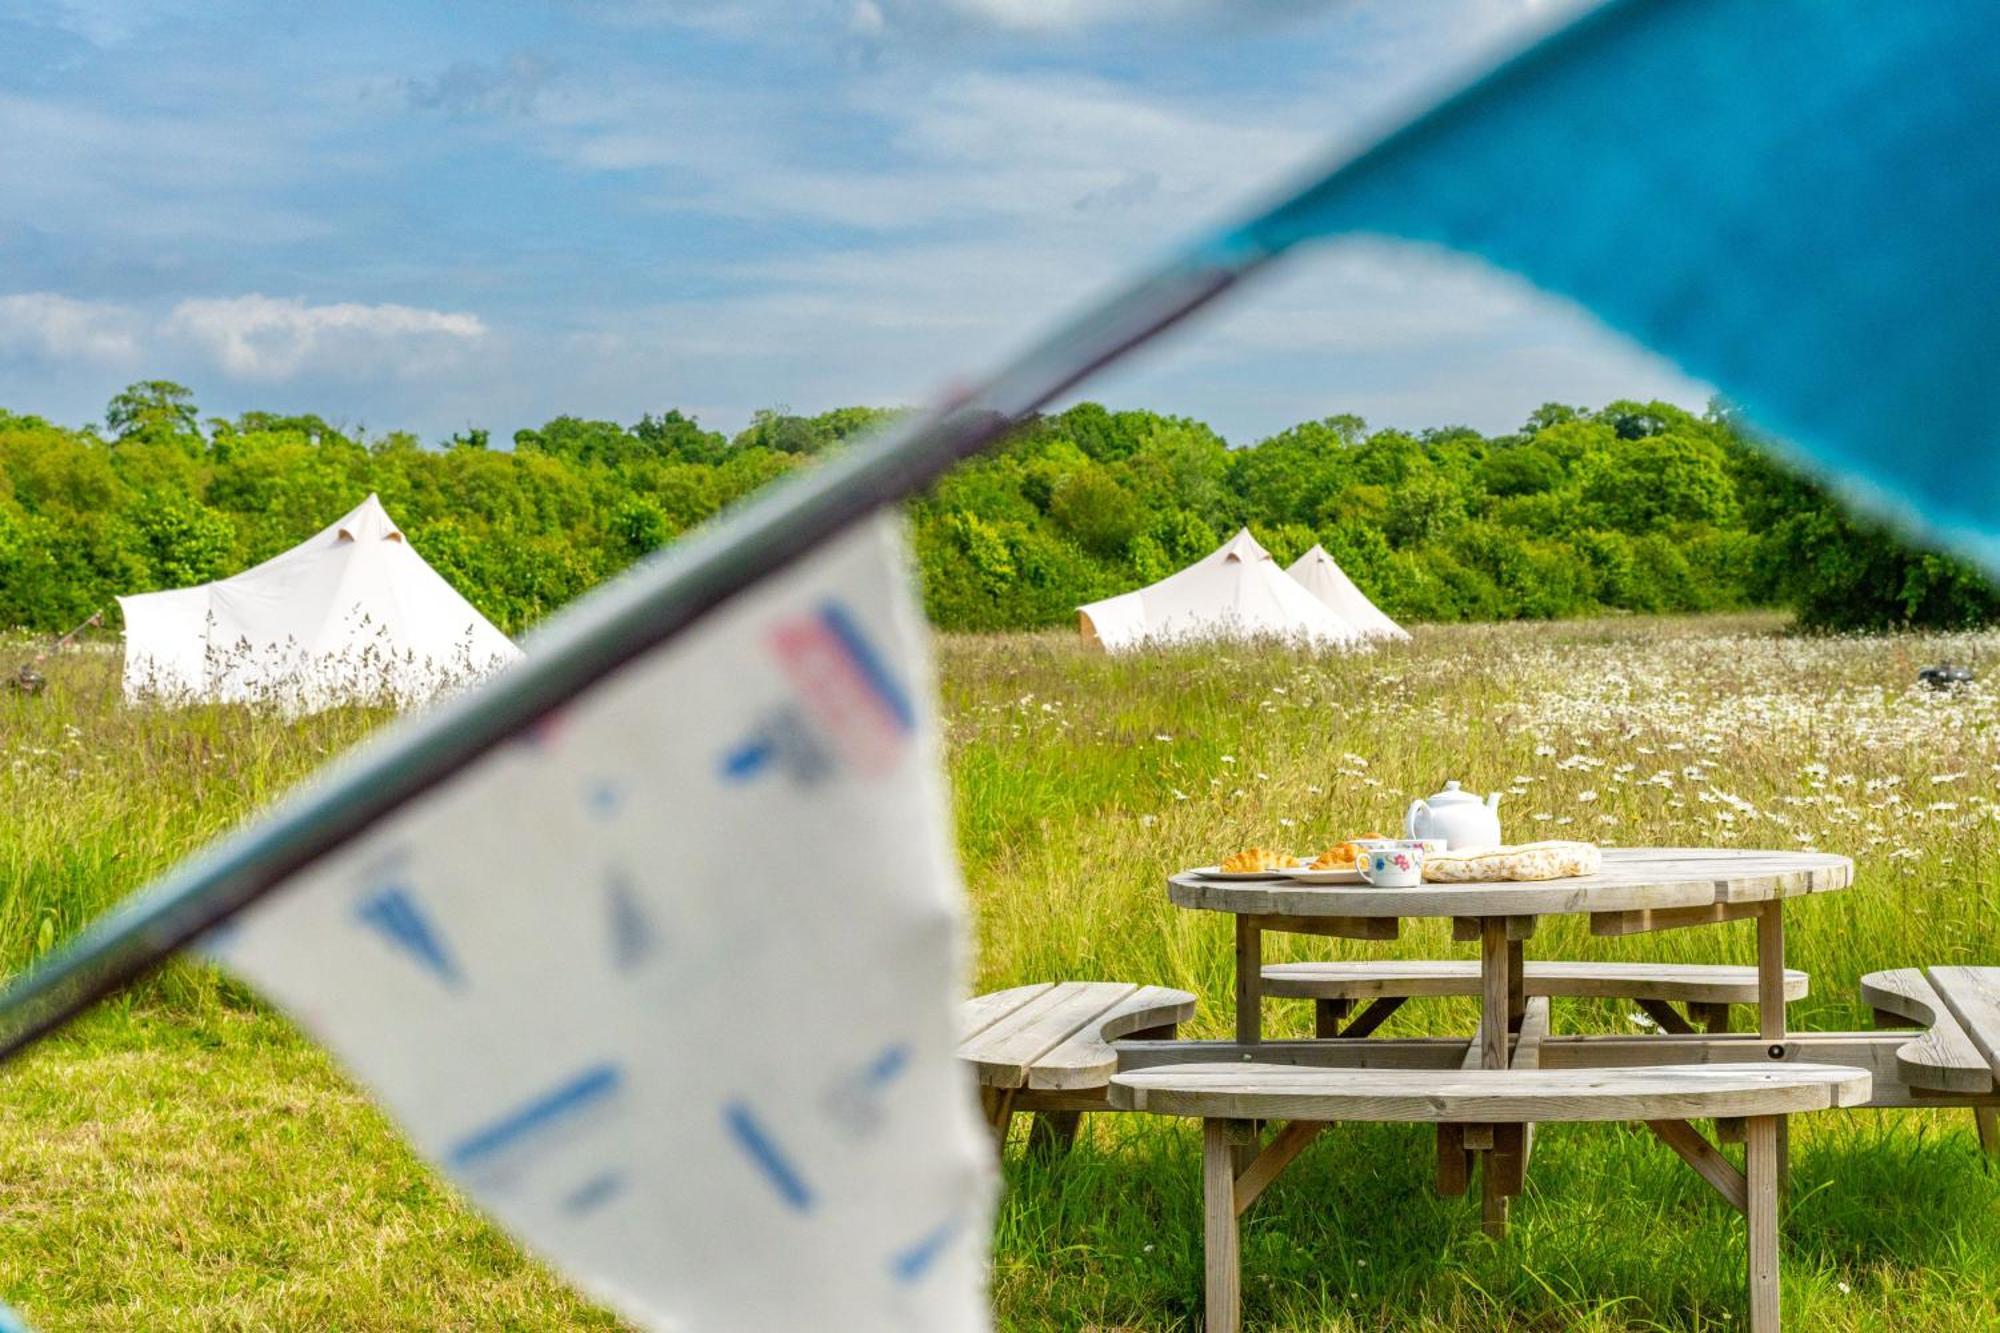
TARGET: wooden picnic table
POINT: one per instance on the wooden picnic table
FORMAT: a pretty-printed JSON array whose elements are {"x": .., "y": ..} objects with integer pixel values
[{"x": 1636, "y": 890}]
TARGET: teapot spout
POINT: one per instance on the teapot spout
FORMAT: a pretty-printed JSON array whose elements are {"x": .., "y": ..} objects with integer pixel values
[{"x": 1493, "y": 800}]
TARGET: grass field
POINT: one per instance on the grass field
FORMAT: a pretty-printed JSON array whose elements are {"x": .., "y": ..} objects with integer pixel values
[{"x": 185, "y": 1161}]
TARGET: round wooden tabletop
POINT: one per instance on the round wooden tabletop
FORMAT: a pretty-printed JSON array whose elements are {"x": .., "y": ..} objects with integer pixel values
[{"x": 1631, "y": 879}]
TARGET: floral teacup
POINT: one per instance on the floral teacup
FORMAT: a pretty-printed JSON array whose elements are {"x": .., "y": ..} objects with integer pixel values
[{"x": 1392, "y": 863}]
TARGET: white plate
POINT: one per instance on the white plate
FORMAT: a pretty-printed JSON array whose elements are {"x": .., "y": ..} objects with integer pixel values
[
  {"x": 1217, "y": 872},
  {"x": 1303, "y": 875}
]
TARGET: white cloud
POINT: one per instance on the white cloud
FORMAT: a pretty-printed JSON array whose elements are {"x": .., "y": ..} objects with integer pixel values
[
  {"x": 273, "y": 338},
  {"x": 53, "y": 327}
]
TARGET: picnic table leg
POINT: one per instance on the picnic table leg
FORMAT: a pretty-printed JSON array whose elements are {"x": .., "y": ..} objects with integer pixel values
[
  {"x": 1221, "y": 1270},
  {"x": 1771, "y": 1001},
  {"x": 1987, "y": 1123},
  {"x": 1517, "y": 983},
  {"x": 1763, "y": 1172},
  {"x": 1249, "y": 980},
  {"x": 1495, "y": 990},
  {"x": 1498, "y": 963},
  {"x": 1053, "y": 1134}
]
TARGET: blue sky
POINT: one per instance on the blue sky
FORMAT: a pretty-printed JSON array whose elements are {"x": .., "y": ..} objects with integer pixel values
[{"x": 431, "y": 216}]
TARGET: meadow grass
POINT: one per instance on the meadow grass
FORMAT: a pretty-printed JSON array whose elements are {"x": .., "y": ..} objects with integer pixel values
[{"x": 185, "y": 1160}]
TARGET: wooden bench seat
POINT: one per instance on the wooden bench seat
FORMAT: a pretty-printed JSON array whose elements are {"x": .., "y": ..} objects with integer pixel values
[
  {"x": 1231, "y": 1100},
  {"x": 1046, "y": 1048},
  {"x": 1334, "y": 987},
  {"x": 1958, "y": 1049}
]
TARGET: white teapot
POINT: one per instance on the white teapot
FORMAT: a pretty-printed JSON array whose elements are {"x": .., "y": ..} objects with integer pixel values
[{"x": 1458, "y": 817}]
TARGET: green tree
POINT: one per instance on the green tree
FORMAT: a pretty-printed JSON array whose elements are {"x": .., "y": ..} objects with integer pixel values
[{"x": 155, "y": 412}]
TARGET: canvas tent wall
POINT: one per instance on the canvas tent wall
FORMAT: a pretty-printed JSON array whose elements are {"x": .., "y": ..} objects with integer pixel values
[
  {"x": 352, "y": 612},
  {"x": 1325, "y": 579},
  {"x": 1235, "y": 592}
]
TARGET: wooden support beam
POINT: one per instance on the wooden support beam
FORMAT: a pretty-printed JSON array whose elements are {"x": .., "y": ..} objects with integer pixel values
[
  {"x": 1705, "y": 1158},
  {"x": 1771, "y": 972},
  {"x": 1493, "y": 1178},
  {"x": 1668, "y": 1017},
  {"x": 1270, "y": 1164},
  {"x": 998, "y": 1104},
  {"x": 1646, "y": 920},
  {"x": 1373, "y": 1016},
  {"x": 1221, "y": 1238},
  {"x": 1467, "y": 929},
  {"x": 1249, "y": 979},
  {"x": 1763, "y": 1167},
  {"x": 1454, "y": 1161},
  {"x": 1053, "y": 1134},
  {"x": 1517, "y": 983},
  {"x": 1328, "y": 1016},
  {"x": 1340, "y": 927},
  {"x": 1493, "y": 969}
]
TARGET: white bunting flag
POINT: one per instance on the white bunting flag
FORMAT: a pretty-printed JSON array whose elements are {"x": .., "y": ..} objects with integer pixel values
[{"x": 667, "y": 987}]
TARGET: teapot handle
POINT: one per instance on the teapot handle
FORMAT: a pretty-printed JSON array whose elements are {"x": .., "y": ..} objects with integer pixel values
[{"x": 1410, "y": 819}]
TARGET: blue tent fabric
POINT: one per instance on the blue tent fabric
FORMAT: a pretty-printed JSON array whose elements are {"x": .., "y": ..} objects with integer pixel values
[{"x": 1795, "y": 200}]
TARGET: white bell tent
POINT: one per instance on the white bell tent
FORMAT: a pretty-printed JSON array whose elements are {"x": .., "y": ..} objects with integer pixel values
[
  {"x": 350, "y": 613},
  {"x": 1235, "y": 592},
  {"x": 1325, "y": 579}
]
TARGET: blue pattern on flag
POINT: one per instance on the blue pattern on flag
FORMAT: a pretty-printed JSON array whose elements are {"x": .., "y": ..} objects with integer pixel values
[
  {"x": 395, "y": 912},
  {"x": 873, "y": 669},
  {"x": 763, "y": 1151},
  {"x": 633, "y": 938},
  {"x": 909, "y": 1264},
  {"x": 566, "y": 1100},
  {"x": 888, "y": 1066},
  {"x": 1794, "y": 199},
  {"x": 594, "y": 1193}
]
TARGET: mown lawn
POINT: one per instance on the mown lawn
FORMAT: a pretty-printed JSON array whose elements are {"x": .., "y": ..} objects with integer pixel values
[{"x": 185, "y": 1161}]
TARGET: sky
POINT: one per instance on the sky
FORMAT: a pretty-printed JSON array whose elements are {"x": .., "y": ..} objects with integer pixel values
[{"x": 429, "y": 216}]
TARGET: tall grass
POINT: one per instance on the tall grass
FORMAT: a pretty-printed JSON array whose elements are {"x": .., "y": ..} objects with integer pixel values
[{"x": 1082, "y": 781}]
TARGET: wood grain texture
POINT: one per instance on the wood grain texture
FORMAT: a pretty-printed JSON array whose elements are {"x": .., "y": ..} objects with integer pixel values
[
  {"x": 1683, "y": 983},
  {"x": 1269, "y": 1164},
  {"x": 1771, "y": 972},
  {"x": 1493, "y": 1011},
  {"x": 1487, "y": 1096},
  {"x": 1943, "y": 1058},
  {"x": 1249, "y": 979},
  {"x": 1763, "y": 1169},
  {"x": 1631, "y": 880},
  {"x": 1222, "y": 1264},
  {"x": 1057, "y": 1037},
  {"x": 1972, "y": 995},
  {"x": 1705, "y": 1158}
]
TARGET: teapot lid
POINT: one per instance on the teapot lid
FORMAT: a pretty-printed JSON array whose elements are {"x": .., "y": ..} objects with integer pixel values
[{"x": 1451, "y": 795}]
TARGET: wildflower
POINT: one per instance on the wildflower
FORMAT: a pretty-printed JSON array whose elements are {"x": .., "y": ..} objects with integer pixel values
[
  {"x": 1161, "y": 736},
  {"x": 1180, "y": 795},
  {"x": 1263, "y": 777},
  {"x": 1543, "y": 816},
  {"x": 1586, "y": 797},
  {"x": 1229, "y": 759},
  {"x": 1147, "y": 821},
  {"x": 1544, "y": 751}
]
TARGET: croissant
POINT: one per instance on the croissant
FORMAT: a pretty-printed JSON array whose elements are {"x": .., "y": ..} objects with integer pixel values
[
  {"x": 1342, "y": 856},
  {"x": 1253, "y": 859}
]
